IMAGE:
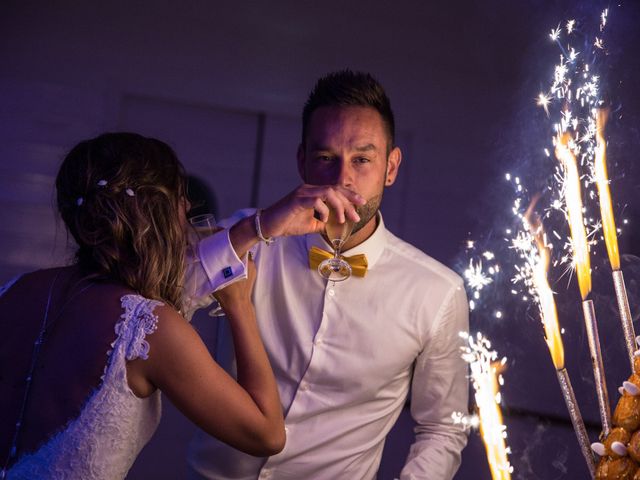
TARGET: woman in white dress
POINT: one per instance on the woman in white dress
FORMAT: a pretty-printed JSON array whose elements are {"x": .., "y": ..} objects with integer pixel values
[{"x": 86, "y": 349}]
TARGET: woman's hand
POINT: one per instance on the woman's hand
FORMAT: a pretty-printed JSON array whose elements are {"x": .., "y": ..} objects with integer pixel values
[{"x": 238, "y": 293}]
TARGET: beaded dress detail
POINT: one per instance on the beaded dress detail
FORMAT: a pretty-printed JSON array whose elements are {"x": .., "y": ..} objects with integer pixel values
[{"x": 113, "y": 426}]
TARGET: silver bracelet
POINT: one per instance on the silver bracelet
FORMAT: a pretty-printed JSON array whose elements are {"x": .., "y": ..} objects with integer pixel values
[{"x": 266, "y": 240}]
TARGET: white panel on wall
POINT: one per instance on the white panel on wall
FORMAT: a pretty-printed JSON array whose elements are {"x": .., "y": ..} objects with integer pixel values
[
  {"x": 216, "y": 145},
  {"x": 40, "y": 123},
  {"x": 279, "y": 172}
]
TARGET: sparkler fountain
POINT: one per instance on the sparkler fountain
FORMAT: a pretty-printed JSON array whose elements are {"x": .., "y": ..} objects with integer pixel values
[
  {"x": 486, "y": 379},
  {"x": 574, "y": 101},
  {"x": 610, "y": 233},
  {"x": 573, "y": 201},
  {"x": 538, "y": 265}
]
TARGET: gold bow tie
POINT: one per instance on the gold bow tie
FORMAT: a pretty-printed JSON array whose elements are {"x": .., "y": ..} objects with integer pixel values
[{"x": 358, "y": 262}]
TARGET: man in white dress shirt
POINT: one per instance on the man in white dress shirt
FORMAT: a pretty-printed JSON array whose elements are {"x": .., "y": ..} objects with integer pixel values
[{"x": 346, "y": 354}]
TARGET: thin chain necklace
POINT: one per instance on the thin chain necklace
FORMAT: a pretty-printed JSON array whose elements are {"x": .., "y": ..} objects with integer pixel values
[{"x": 34, "y": 358}]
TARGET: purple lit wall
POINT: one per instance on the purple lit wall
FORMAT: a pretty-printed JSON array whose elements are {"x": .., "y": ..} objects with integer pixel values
[{"x": 224, "y": 84}]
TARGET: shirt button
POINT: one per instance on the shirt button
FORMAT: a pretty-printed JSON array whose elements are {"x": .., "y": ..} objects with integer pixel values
[
  {"x": 286, "y": 430},
  {"x": 304, "y": 386},
  {"x": 332, "y": 292},
  {"x": 318, "y": 341},
  {"x": 265, "y": 473}
]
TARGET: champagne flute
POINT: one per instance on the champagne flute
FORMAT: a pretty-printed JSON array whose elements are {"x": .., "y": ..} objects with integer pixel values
[
  {"x": 336, "y": 268},
  {"x": 203, "y": 226}
]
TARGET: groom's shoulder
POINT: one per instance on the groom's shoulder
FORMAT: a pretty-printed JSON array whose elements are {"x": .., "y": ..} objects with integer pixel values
[{"x": 422, "y": 266}]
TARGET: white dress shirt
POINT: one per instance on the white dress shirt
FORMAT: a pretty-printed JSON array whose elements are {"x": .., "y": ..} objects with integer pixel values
[{"x": 345, "y": 355}]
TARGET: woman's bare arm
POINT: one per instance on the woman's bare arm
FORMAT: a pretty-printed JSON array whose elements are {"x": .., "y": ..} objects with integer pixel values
[{"x": 246, "y": 414}]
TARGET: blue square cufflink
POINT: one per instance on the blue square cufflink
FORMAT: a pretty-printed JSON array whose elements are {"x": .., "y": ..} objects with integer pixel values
[{"x": 227, "y": 272}]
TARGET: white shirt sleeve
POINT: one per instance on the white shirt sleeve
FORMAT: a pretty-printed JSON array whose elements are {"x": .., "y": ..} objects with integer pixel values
[
  {"x": 440, "y": 387},
  {"x": 220, "y": 262},
  {"x": 216, "y": 267}
]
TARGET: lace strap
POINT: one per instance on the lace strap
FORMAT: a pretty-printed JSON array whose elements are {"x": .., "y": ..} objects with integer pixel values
[
  {"x": 8, "y": 285},
  {"x": 138, "y": 321}
]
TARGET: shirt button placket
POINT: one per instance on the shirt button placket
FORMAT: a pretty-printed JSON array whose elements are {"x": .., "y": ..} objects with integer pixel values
[{"x": 323, "y": 325}]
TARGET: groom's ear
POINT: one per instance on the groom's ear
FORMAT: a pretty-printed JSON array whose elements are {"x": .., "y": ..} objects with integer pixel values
[{"x": 393, "y": 164}]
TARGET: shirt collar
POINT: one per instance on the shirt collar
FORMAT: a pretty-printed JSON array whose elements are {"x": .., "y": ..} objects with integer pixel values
[{"x": 372, "y": 247}]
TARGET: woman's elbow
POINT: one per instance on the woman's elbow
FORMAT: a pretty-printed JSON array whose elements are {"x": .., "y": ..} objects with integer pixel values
[
  {"x": 270, "y": 443},
  {"x": 275, "y": 441}
]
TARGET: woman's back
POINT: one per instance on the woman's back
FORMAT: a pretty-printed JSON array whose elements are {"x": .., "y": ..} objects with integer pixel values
[
  {"x": 75, "y": 405},
  {"x": 68, "y": 404}
]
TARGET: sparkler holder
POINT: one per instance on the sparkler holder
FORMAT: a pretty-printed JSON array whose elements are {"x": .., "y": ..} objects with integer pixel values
[
  {"x": 596, "y": 363},
  {"x": 625, "y": 314},
  {"x": 576, "y": 419}
]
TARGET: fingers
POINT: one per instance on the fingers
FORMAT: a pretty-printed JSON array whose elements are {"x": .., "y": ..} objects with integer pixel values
[
  {"x": 339, "y": 200},
  {"x": 251, "y": 273},
  {"x": 320, "y": 210},
  {"x": 336, "y": 202},
  {"x": 251, "y": 264},
  {"x": 351, "y": 196},
  {"x": 307, "y": 209},
  {"x": 351, "y": 213},
  {"x": 353, "y": 200}
]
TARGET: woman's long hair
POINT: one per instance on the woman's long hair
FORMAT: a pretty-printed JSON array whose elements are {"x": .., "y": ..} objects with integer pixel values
[{"x": 121, "y": 196}]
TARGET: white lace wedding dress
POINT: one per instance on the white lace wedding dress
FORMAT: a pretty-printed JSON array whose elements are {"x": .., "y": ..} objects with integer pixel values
[{"x": 113, "y": 426}]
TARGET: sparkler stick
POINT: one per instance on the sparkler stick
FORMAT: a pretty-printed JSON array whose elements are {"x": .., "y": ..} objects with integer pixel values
[
  {"x": 596, "y": 364},
  {"x": 609, "y": 230},
  {"x": 576, "y": 419},
  {"x": 625, "y": 313},
  {"x": 549, "y": 315},
  {"x": 581, "y": 260}
]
